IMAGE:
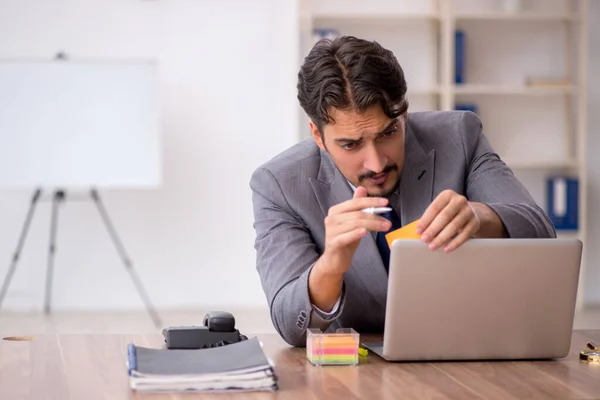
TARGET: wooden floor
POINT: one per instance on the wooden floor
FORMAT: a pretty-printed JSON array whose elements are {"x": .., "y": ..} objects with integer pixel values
[{"x": 255, "y": 321}]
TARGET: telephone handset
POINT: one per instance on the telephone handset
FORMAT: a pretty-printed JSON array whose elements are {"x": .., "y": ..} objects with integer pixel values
[{"x": 218, "y": 330}]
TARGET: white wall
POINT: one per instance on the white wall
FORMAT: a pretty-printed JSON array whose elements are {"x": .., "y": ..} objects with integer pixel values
[{"x": 228, "y": 71}]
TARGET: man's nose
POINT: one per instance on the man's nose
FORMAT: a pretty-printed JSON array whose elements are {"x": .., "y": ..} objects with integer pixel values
[{"x": 374, "y": 161}]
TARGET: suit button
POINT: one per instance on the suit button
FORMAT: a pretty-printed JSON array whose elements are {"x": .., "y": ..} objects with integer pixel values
[{"x": 303, "y": 313}]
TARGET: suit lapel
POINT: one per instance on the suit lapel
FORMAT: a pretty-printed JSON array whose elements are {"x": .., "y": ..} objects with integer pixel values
[
  {"x": 416, "y": 184},
  {"x": 331, "y": 188}
]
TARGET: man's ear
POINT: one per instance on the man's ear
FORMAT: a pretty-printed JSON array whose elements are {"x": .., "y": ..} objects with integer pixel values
[{"x": 316, "y": 134}]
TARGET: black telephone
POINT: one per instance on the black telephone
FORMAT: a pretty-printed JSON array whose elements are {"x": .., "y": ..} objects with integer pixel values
[{"x": 218, "y": 330}]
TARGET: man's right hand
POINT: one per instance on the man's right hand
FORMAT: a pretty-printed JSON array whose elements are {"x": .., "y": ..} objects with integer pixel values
[{"x": 345, "y": 226}]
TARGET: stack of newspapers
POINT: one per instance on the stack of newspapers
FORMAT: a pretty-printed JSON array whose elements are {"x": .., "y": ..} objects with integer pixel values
[{"x": 240, "y": 366}]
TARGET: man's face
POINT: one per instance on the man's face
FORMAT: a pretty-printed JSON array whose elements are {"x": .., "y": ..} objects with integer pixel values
[{"x": 368, "y": 148}]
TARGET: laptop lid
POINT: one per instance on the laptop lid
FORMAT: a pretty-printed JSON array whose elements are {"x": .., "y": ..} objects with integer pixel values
[{"x": 489, "y": 299}]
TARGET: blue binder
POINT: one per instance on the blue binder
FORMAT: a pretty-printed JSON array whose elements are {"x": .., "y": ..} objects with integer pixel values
[
  {"x": 562, "y": 195},
  {"x": 466, "y": 107},
  {"x": 459, "y": 57}
]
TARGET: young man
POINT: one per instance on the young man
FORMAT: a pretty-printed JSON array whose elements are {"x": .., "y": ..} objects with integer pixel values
[{"x": 322, "y": 261}]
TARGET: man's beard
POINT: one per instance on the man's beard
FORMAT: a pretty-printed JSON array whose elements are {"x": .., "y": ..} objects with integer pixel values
[{"x": 386, "y": 170}]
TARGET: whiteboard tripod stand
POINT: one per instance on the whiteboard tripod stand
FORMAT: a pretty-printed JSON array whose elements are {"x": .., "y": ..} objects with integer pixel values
[{"x": 58, "y": 197}]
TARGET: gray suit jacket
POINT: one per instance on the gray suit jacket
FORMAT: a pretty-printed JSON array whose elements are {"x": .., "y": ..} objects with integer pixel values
[{"x": 293, "y": 192}]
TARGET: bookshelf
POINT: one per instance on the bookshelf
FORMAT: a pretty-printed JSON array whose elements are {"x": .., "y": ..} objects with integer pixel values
[
  {"x": 522, "y": 90},
  {"x": 516, "y": 17},
  {"x": 524, "y": 70}
]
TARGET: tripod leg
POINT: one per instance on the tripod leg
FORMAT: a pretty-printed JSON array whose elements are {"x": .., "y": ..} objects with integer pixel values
[
  {"x": 13, "y": 266},
  {"x": 59, "y": 196},
  {"x": 128, "y": 264}
]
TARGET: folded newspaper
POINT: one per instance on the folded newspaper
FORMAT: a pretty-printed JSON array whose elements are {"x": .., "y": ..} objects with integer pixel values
[{"x": 240, "y": 366}]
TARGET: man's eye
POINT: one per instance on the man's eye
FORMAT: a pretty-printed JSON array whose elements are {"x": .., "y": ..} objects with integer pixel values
[
  {"x": 349, "y": 146},
  {"x": 389, "y": 133}
]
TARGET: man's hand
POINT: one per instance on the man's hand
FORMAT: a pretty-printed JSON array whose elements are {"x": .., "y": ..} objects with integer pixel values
[
  {"x": 345, "y": 226},
  {"x": 450, "y": 220}
]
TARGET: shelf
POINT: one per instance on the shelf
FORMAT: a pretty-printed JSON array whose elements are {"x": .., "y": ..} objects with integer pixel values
[
  {"x": 373, "y": 17},
  {"x": 512, "y": 89},
  {"x": 525, "y": 74},
  {"x": 564, "y": 234},
  {"x": 522, "y": 16},
  {"x": 420, "y": 91},
  {"x": 491, "y": 16},
  {"x": 542, "y": 164}
]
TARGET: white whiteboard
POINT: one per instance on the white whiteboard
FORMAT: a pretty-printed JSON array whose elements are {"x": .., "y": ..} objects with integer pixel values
[{"x": 73, "y": 124}]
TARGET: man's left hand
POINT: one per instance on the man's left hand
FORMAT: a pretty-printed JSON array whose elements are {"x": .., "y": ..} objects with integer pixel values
[{"x": 450, "y": 220}]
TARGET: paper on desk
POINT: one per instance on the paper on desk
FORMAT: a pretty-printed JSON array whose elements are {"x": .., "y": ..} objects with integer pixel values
[
  {"x": 241, "y": 366},
  {"x": 406, "y": 232}
]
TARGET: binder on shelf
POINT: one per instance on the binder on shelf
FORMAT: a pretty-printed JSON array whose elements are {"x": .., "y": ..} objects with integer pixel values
[
  {"x": 459, "y": 57},
  {"x": 562, "y": 196},
  {"x": 319, "y": 34},
  {"x": 466, "y": 107}
]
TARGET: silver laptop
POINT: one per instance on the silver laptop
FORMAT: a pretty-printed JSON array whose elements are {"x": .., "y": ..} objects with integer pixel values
[{"x": 490, "y": 299}]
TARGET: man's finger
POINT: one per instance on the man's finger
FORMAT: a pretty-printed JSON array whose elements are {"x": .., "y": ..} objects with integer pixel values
[
  {"x": 462, "y": 237},
  {"x": 357, "y": 204},
  {"x": 451, "y": 229},
  {"x": 348, "y": 238},
  {"x": 438, "y": 204},
  {"x": 369, "y": 221},
  {"x": 444, "y": 218},
  {"x": 360, "y": 192}
]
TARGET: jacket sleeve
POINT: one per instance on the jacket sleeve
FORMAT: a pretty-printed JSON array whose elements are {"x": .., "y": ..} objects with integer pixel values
[
  {"x": 492, "y": 182},
  {"x": 285, "y": 255}
]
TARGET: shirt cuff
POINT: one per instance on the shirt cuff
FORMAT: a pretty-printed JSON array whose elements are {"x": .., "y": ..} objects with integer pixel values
[{"x": 330, "y": 314}]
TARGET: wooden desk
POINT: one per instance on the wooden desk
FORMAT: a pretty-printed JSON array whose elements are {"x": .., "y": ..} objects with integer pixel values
[{"x": 93, "y": 367}]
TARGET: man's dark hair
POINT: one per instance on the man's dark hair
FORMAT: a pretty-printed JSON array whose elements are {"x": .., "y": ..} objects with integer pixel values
[{"x": 348, "y": 73}]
